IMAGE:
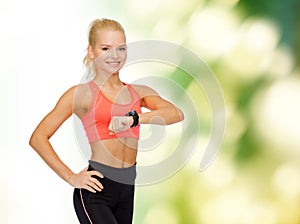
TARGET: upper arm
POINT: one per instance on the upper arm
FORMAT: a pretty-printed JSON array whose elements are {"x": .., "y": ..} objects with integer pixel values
[
  {"x": 61, "y": 112},
  {"x": 159, "y": 107},
  {"x": 151, "y": 99}
]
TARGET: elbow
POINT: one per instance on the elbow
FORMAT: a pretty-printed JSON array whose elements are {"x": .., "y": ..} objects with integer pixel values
[
  {"x": 32, "y": 140},
  {"x": 35, "y": 140},
  {"x": 178, "y": 116},
  {"x": 181, "y": 115}
]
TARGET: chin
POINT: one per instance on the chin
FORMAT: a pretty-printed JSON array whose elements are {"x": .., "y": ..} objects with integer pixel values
[{"x": 114, "y": 72}]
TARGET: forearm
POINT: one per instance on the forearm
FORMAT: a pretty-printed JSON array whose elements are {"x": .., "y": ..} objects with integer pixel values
[
  {"x": 162, "y": 116},
  {"x": 45, "y": 150}
]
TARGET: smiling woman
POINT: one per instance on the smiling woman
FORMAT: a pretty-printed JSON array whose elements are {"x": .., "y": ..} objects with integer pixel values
[
  {"x": 103, "y": 42},
  {"x": 110, "y": 111}
]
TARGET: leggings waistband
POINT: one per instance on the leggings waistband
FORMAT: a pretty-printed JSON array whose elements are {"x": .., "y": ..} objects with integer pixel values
[{"x": 122, "y": 175}]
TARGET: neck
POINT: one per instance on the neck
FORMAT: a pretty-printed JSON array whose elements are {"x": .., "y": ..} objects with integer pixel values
[{"x": 110, "y": 80}]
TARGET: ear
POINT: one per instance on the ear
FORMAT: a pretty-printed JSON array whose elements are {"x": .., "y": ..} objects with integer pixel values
[{"x": 91, "y": 53}]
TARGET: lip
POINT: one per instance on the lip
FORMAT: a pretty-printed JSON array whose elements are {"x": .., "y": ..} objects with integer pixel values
[{"x": 113, "y": 62}]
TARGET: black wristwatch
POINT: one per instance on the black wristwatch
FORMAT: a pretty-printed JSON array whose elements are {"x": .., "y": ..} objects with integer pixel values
[{"x": 135, "y": 116}]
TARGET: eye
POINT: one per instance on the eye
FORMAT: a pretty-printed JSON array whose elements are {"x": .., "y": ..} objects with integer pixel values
[
  {"x": 105, "y": 49},
  {"x": 123, "y": 48}
]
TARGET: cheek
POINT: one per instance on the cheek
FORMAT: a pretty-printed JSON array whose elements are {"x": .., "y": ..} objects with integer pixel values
[
  {"x": 98, "y": 54},
  {"x": 124, "y": 56}
]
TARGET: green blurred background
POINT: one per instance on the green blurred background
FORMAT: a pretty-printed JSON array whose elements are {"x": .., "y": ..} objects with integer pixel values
[{"x": 252, "y": 48}]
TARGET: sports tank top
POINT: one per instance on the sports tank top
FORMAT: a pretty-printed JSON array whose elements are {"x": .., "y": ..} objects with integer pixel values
[{"x": 101, "y": 110}]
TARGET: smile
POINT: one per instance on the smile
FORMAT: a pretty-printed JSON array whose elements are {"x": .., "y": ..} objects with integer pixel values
[{"x": 113, "y": 62}]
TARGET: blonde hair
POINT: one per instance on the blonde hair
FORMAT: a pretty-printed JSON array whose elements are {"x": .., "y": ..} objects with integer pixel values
[{"x": 95, "y": 26}]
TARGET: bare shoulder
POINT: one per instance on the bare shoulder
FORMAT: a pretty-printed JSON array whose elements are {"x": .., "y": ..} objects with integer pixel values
[
  {"x": 74, "y": 91},
  {"x": 82, "y": 90},
  {"x": 144, "y": 91},
  {"x": 76, "y": 97},
  {"x": 82, "y": 98}
]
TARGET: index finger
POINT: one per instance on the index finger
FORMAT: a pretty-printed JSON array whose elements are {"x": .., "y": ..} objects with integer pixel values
[
  {"x": 110, "y": 126},
  {"x": 96, "y": 173}
]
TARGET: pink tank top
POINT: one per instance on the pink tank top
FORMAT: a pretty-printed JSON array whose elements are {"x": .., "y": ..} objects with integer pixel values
[{"x": 101, "y": 110}]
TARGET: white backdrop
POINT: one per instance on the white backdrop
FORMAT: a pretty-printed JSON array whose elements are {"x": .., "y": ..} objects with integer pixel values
[{"x": 42, "y": 45}]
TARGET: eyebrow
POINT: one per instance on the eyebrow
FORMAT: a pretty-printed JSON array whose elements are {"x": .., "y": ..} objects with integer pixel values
[{"x": 107, "y": 45}]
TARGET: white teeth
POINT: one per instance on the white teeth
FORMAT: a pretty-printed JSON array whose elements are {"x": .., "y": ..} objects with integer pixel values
[{"x": 113, "y": 62}]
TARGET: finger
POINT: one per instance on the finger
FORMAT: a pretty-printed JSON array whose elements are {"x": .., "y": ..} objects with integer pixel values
[
  {"x": 95, "y": 185},
  {"x": 87, "y": 187},
  {"x": 116, "y": 126},
  {"x": 110, "y": 126},
  {"x": 125, "y": 125},
  {"x": 99, "y": 185},
  {"x": 96, "y": 173},
  {"x": 113, "y": 122},
  {"x": 113, "y": 125}
]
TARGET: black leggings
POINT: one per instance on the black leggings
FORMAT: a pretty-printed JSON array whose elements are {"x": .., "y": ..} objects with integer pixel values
[{"x": 113, "y": 205}]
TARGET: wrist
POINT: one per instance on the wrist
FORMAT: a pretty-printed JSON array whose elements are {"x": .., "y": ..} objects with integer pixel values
[
  {"x": 135, "y": 118},
  {"x": 69, "y": 178}
]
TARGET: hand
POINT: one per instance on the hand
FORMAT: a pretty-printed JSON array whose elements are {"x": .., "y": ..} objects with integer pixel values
[
  {"x": 120, "y": 123},
  {"x": 85, "y": 180}
]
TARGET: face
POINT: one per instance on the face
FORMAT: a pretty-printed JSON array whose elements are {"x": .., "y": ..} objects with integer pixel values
[{"x": 110, "y": 51}]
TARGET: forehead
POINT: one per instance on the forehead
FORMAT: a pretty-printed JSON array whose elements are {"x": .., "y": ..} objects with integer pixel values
[{"x": 110, "y": 37}]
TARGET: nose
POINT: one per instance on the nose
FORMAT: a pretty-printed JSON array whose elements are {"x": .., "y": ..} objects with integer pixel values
[{"x": 113, "y": 52}]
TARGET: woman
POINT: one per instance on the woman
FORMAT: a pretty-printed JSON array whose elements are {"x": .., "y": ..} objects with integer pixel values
[{"x": 110, "y": 111}]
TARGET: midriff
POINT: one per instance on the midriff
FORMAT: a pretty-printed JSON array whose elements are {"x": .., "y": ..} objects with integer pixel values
[{"x": 115, "y": 152}]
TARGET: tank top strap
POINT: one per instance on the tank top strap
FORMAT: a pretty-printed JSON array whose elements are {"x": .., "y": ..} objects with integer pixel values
[
  {"x": 94, "y": 89},
  {"x": 132, "y": 91}
]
